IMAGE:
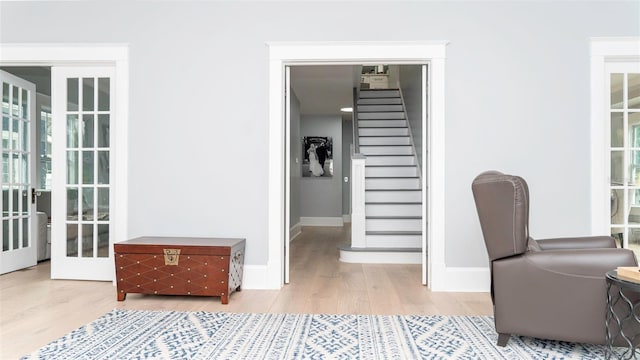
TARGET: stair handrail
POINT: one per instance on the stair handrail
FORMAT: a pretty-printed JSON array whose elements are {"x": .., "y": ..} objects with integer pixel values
[
  {"x": 354, "y": 118},
  {"x": 411, "y": 135}
]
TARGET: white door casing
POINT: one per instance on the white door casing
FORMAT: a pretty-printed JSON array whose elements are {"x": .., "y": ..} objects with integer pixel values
[
  {"x": 18, "y": 249},
  {"x": 343, "y": 53}
]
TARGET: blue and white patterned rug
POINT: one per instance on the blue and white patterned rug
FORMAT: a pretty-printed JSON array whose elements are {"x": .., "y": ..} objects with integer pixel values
[{"x": 129, "y": 334}]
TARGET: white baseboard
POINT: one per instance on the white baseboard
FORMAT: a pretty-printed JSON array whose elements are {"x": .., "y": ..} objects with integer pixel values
[
  {"x": 461, "y": 279},
  {"x": 321, "y": 221},
  {"x": 295, "y": 231},
  {"x": 256, "y": 277},
  {"x": 382, "y": 257},
  {"x": 346, "y": 218}
]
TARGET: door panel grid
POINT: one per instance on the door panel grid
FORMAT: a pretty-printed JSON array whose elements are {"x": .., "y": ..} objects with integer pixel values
[
  {"x": 18, "y": 110},
  {"x": 623, "y": 85},
  {"x": 88, "y": 113}
]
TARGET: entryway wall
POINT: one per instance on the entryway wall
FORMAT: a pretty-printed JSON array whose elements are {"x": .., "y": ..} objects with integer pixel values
[{"x": 321, "y": 197}]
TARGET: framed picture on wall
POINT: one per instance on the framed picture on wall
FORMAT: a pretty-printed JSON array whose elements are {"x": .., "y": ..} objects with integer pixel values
[{"x": 317, "y": 156}]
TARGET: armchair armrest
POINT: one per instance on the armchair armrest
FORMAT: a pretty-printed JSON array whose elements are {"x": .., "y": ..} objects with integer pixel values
[
  {"x": 581, "y": 262},
  {"x": 583, "y": 242}
]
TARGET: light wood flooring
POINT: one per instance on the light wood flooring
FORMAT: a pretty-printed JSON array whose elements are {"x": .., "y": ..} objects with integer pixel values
[{"x": 35, "y": 310}]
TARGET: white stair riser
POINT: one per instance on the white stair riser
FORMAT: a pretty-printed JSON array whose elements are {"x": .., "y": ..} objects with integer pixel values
[
  {"x": 393, "y": 224},
  {"x": 393, "y": 196},
  {"x": 383, "y": 131},
  {"x": 382, "y": 123},
  {"x": 384, "y": 108},
  {"x": 380, "y": 101},
  {"x": 397, "y": 171},
  {"x": 399, "y": 183},
  {"x": 382, "y": 140},
  {"x": 381, "y": 115},
  {"x": 393, "y": 209},
  {"x": 386, "y": 150},
  {"x": 394, "y": 241},
  {"x": 391, "y": 160},
  {"x": 379, "y": 94}
]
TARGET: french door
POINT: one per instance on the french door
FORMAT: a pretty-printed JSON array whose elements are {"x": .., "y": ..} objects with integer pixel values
[
  {"x": 19, "y": 245},
  {"x": 83, "y": 104},
  {"x": 622, "y": 81}
]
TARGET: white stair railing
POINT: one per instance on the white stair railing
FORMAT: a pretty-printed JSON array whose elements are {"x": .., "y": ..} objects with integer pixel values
[{"x": 358, "y": 230}]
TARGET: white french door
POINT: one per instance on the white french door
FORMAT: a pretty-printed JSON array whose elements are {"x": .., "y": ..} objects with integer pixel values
[
  {"x": 83, "y": 104},
  {"x": 622, "y": 81},
  {"x": 19, "y": 248}
]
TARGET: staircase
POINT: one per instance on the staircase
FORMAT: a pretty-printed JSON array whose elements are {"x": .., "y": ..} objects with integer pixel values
[{"x": 392, "y": 185}]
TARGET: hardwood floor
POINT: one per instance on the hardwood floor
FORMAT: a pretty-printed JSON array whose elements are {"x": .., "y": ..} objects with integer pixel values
[{"x": 35, "y": 310}]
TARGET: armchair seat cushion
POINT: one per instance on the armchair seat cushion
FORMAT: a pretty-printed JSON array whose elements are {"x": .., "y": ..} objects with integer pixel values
[{"x": 587, "y": 242}]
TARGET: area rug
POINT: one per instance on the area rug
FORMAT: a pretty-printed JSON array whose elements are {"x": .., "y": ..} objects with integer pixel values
[{"x": 129, "y": 334}]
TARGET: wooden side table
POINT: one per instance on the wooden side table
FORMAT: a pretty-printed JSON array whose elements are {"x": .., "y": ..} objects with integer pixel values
[{"x": 622, "y": 321}]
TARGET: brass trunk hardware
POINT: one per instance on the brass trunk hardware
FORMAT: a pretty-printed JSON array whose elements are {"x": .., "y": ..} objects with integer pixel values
[{"x": 171, "y": 256}]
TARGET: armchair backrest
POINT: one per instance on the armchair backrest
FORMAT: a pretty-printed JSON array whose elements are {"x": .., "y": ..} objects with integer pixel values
[{"x": 502, "y": 202}]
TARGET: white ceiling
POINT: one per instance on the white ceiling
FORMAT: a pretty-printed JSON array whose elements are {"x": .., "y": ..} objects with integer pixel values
[
  {"x": 321, "y": 89},
  {"x": 324, "y": 89}
]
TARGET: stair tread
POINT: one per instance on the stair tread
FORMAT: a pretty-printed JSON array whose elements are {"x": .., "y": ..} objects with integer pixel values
[
  {"x": 393, "y": 202},
  {"x": 391, "y": 165},
  {"x": 377, "y": 136},
  {"x": 391, "y": 177},
  {"x": 361, "y": 145},
  {"x": 394, "y": 217},
  {"x": 387, "y": 89},
  {"x": 394, "y": 233},
  {"x": 382, "y": 119},
  {"x": 393, "y": 190},
  {"x": 382, "y": 127},
  {"x": 390, "y": 155},
  {"x": 378, "y": 249}
]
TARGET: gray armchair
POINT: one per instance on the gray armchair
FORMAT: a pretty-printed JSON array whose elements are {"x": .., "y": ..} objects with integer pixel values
[{"x": 550, "y": 289}]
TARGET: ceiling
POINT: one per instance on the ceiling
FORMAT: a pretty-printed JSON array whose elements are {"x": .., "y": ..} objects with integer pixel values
[
  {"x": 324, "y": 89},
  {"x": 321, "y": 89},
  {"x": 39, "y": 75}
]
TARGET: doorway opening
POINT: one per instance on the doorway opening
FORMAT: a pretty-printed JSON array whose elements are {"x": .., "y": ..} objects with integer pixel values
[
  {"x": 283, "y": 55},
  {"x": 321, "y": 132}
]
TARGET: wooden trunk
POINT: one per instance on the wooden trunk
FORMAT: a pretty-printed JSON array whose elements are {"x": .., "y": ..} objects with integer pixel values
[{"x": 179, "y": 266}]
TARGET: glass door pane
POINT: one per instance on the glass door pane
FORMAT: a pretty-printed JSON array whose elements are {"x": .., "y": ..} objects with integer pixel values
[
  {"x": 17, "y": 249},
  {"x": 87, "y": 161}
]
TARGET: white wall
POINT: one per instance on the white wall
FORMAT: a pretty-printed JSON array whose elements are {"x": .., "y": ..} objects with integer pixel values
[
  {"x": 517, "y": 100},
  {"x": 347, "y": 140},
  {"x": 321, "y": 197}
]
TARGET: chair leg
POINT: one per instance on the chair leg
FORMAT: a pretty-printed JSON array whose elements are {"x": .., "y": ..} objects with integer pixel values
[{"x": 503, "y": 339}]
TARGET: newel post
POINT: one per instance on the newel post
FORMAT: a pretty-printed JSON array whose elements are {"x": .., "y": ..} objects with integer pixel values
[{"x": 358, "y": 239}]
